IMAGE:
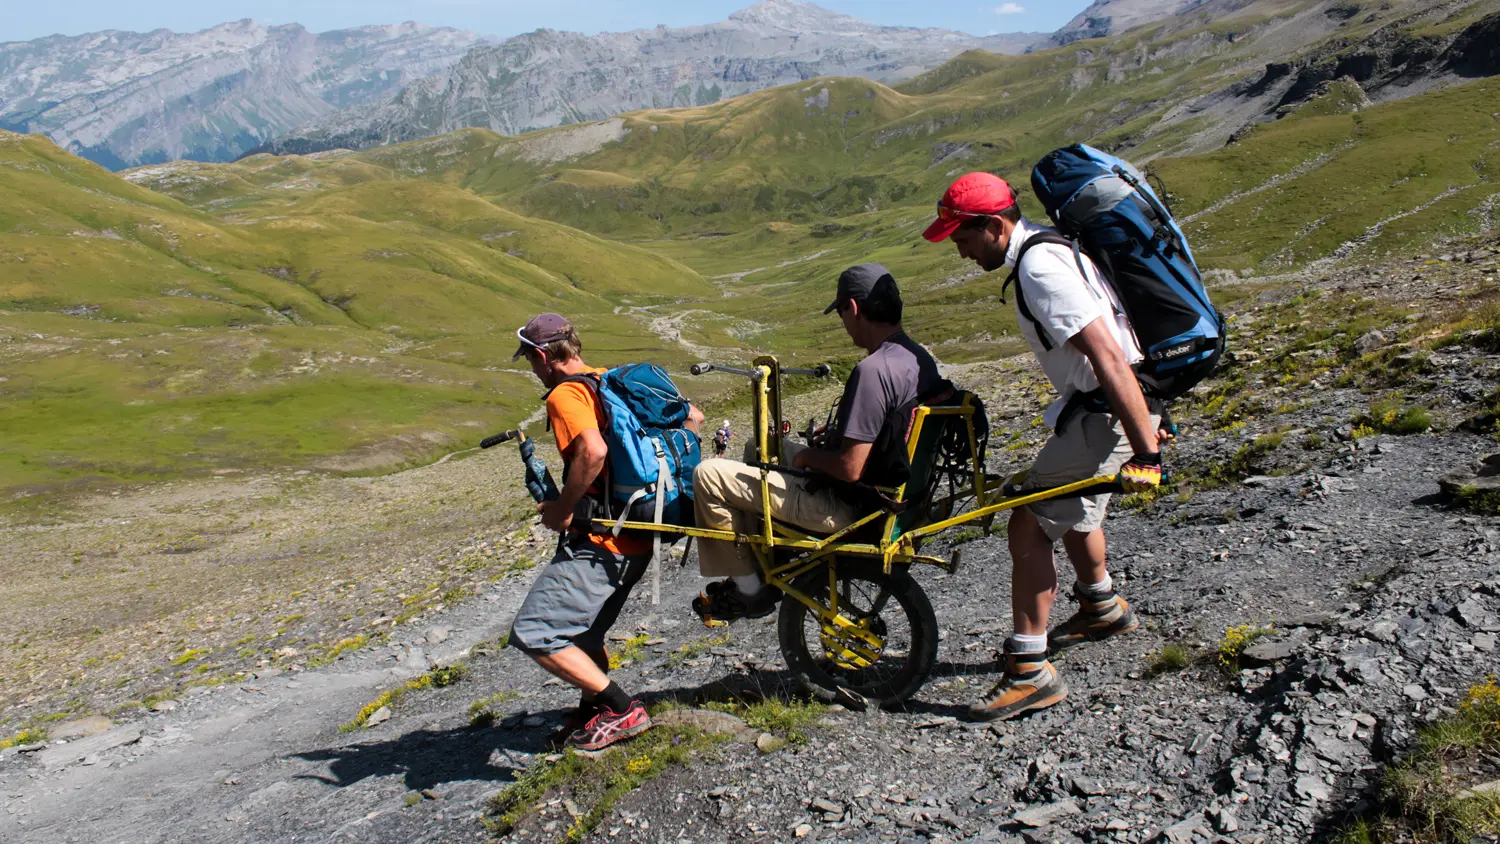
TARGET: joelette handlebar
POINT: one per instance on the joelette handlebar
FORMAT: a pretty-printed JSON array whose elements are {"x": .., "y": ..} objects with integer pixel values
[
  {"x": 822, "y": 370},
  {"x": 502, "y": 437}
]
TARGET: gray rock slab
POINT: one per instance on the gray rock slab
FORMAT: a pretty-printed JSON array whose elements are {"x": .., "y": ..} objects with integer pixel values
[
  {"x": 1039, "y": 816},
  {"x": 59, "y": 755},
  {"x": 92, "y": 725}
]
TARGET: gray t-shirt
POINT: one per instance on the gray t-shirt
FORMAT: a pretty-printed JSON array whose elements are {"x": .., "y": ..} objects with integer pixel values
[{"x": 896, "y": 374}]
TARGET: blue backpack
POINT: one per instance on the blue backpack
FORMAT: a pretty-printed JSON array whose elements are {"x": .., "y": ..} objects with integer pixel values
[
  {"x": 1105, "y": 208},
  {"x": 649, "y": 473}
]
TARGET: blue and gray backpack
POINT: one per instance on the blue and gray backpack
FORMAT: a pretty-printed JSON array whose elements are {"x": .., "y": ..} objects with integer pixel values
[
  {"x": 651, "y": 456},
  {"x": 1105, "y": 208}
]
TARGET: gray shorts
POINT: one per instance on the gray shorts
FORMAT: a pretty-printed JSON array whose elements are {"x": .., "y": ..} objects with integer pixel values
[
  {"x": 1091, "y": 444},
  {"x": 576, "y": 599}
]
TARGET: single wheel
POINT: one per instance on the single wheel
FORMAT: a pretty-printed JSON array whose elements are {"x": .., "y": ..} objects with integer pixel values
[{"x": 881, "y": 647}]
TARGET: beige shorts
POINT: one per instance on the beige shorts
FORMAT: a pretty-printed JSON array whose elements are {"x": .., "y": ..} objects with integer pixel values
[{"x": 1091, "y": 444}]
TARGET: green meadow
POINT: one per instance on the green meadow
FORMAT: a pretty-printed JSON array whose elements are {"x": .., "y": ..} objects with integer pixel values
[{"x": 353, "y": 312}]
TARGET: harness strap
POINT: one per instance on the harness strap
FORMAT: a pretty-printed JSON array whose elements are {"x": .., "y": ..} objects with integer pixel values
[
  {"x": 663, "y": 485},
  {"x": 1015, "y": 276}
]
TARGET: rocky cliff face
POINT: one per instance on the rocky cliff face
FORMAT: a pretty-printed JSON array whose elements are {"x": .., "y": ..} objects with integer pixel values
[
  {"x": 547, "y": 78},
  {"x": 128, "y": 98},
  {"x": 1109, "y": 17}
]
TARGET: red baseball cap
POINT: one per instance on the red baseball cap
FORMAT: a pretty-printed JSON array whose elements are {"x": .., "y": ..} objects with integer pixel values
[{"x": 973, "y": 195}]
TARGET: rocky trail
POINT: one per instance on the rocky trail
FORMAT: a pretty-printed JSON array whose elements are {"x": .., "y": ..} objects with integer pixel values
[
  {"x": 1329, "y": 598},
  {"x": 1384, "y": 607}
]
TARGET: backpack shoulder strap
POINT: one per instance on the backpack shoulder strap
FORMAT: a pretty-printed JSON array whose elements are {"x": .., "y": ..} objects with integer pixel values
[
  {"x": 591, "y": 380},
  {"x": 1015, "y": 276}
]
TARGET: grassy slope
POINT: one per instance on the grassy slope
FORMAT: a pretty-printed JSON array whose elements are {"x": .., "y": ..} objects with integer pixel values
[
  {"x": 146, "y": 338},
  {"x": 392, "y": 266}
]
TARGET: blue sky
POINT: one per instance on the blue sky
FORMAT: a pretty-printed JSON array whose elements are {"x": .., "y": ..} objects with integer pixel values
[{"x": 21, "y": 20}]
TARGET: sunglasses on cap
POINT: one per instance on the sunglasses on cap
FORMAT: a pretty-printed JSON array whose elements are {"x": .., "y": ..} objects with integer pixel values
[{"x": 948, "y": 214}]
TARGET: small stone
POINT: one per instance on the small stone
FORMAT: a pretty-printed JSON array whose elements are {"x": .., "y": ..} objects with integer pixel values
[
  {"x": 1484, "y": 789},
  {"x": 1369, "y": 341},
  {"x": 1311, "y": 619},
  {"x": 379, "y": 716},
  {"x": 1039, "y": 816},
  {"x": 1470, "y": 613},
  {"x": 1266, "y": 653},
  {"x": 431, "y": 795},
  {"x": 1311, "y": 787},
  {"x": 1383, "y": 631},
  {"x": 533, "y": 721},
  {"x": 164, "y": 706},
  {"x": 803, "y": 830},
  {"x": 1414, "y": 691},
  {"x": 822, "y": 804},
  {"x": 438, "y": 635},
  {"x": 708, "y": 721},
  {"x": 1084, "y": 787},
  {"x": 1223, "y": 820},
  {"x": 1483, "y": 642},
  {"x": 767, "y": 743},
  {"x": 1183, "y": 831}
]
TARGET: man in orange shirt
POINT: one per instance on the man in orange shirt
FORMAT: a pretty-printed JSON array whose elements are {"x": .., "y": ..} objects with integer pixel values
[{"x": 579, "y": 595}]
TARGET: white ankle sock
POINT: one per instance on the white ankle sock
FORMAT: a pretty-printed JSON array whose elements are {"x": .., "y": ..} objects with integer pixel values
[
  {"x": 748, "y": 584},
  {"x": 1103, "y": 587},
  {"x": 1029, "y": 644}
]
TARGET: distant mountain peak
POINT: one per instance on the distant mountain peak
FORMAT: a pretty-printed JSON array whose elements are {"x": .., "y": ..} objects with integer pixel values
[{"x": 793, "y": 15}]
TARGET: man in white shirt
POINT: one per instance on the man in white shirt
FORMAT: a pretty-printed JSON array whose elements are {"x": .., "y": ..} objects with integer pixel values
[{"x": 1101, "y": 424}]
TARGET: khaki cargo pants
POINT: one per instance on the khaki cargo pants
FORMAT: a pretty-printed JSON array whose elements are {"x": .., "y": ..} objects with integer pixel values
[
  {"x": 1091, "y": 444},
  {"x": 726, "y": 496}
]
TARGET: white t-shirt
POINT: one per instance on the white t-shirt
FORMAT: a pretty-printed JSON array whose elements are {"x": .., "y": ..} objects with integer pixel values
[{"x": 1064, "y": 302}]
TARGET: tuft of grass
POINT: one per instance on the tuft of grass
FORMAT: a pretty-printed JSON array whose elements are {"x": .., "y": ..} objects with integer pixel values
[
  {"x": 1236, "y": 638},
  {"x": 1392, "y": 417},
  {"x": 1171, "y": 658},
  {"x": 337, "y": 649},
  {"x": 787, "y": 718},
  {"x": 1476, "y": 500},
  {"x": 696, "y": 648},
  {"x": 1424, "y": 798},
  {"x": 32, "y": 735},
  {"x": 482, "y": 713},
  {"x": 188, "y": 656},
  {"x": 595, "y": 784},
  {"x": 629, "y": 650},
  {"x": 435, "y": 679}
]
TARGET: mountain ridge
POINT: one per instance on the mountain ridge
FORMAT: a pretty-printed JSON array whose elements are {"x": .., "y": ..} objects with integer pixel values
[
  {"x": 127, "y": 98},
  {"x": 548, "y": 77}
]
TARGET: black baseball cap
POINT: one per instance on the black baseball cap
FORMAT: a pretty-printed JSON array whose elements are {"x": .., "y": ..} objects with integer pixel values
[{"x": 866, "y": 283}]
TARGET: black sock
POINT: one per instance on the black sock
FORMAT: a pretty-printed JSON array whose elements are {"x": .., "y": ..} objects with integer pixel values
[{"x": 614, "y": 697}]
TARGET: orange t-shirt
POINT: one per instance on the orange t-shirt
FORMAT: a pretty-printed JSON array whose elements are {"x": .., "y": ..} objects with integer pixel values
[{"x": 572, "y": 408}]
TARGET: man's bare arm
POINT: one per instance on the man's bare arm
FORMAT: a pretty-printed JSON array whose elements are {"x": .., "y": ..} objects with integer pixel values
[
  {"x": 1118, "y": 380},
  {"x": 846, "y": 464}
]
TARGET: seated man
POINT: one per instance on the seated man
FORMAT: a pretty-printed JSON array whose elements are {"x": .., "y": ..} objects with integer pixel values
[{"x": 866, "y": 443}]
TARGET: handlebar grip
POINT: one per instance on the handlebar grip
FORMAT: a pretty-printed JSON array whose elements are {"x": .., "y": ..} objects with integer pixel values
[
  {"x": 497, "y": 439},
  {"x": 705, "y": 368},
  {"x": 822, "y": 370}
]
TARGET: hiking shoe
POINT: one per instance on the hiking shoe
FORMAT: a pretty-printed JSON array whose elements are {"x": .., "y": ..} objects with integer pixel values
[
  {"x": 1098, "y": 618},
  {"x": 608, "y": 727},
  {"x": 723, "y": 602},
  {"x": 576, "y": 720},
  {"x": 1030, "y": 683}
]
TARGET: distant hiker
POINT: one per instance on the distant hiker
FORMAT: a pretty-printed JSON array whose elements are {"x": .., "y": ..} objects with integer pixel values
[
  {"x": 578, "y": 596},
  {"x": 866, "y": 443},
  {"x": 722, "y": 438},
  {"x": 1101, "y": 426}
]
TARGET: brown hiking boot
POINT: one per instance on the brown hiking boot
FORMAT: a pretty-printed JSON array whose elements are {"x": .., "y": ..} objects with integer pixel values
[
  {"x": 1030, "y": 683},
  {"x": 1098, "y": 618}
]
